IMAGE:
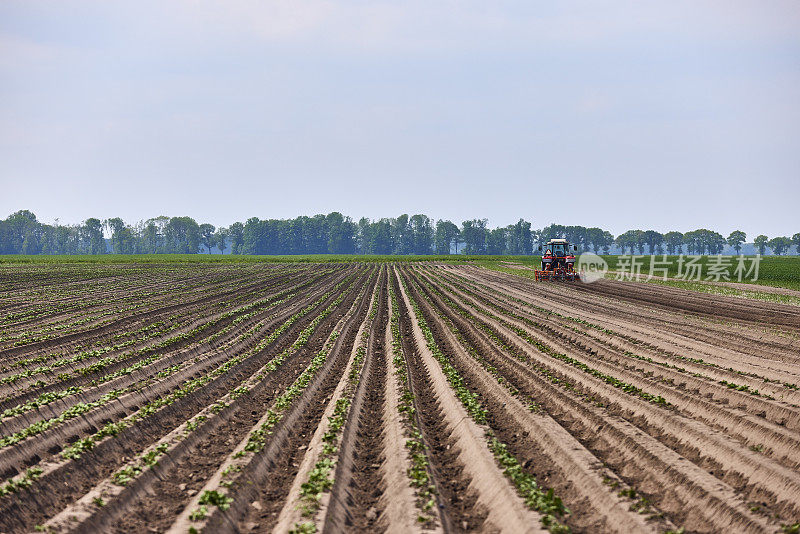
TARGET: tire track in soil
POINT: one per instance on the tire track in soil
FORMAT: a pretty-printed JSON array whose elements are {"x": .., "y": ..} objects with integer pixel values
[
  {"x": 719, "y": 345},
  {"x": 401, "y": 506},
  {"x": 782, "y": 442},
  {"x": 182, "y": 309},
  {"x": 17, "y": 391},
  {"x": 695, "y": 462},
  {"x": 753, "y": 312},
  {"x": 704, "y": 327},
  {"x": 179, "y": 353},
  {"x": 454, "y": 500},
  {"x": 121, "y": 323}
]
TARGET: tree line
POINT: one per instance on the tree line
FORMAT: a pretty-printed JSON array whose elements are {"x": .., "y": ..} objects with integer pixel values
[{"x": 22, "y": 233}]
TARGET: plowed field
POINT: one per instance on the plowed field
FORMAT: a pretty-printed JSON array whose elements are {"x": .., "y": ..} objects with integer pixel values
[{"x": 403, "y": 398}]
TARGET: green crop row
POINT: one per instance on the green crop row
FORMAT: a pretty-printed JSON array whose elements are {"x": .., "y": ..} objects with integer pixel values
[
  {"x": 126, "y": 474},
  {"x": 467, "y": 397},
  {"x": 320, "y": 479},
  {"x": 418, "y": 473},
  {"x": 75, "y": 450},
  {"x": 70, "y": 413},
  {"x": 543, "y": 501},
  {"x": 474, "y": 353}
]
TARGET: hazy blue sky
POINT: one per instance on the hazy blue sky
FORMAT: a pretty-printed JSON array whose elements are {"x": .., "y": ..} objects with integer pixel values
[{"x": 658, "y": 114}]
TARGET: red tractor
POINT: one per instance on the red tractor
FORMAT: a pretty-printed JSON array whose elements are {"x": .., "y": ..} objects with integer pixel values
[{"x": 558, "y": 261}]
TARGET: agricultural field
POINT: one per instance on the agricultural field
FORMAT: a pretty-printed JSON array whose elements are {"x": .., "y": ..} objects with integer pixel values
[{"x": 389, "y": 396}]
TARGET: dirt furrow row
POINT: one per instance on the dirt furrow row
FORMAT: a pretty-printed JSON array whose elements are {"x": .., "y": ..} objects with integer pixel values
[
  {"x": 261, "y": 467},
  {"x": 107, "y": 454},
  {"x": 775, "y": 428},
  {"x": 489, "y": 500},
  {"x": 716, "y": 332},
  {"x": 674, "y": 431},
  {"x": 661, "y": 335}
]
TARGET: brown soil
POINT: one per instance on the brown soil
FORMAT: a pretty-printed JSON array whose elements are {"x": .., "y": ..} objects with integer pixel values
[{"x": 644, "y": 408}]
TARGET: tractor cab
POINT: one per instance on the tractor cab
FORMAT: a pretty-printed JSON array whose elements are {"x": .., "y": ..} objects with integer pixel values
[{"x": 559, "y": 250}]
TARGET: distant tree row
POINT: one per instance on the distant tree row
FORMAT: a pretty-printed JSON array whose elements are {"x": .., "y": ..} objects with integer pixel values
[
  {"x": 415, "y": 234},
  {"x": 700, "y": 241},
  {"x": 22, "y": 233}
]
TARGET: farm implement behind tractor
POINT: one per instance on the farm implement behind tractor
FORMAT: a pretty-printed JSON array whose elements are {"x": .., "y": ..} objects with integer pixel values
[{"x": 558, "y": 262}]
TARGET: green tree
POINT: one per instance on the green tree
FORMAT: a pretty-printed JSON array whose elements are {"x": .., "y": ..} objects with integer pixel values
[
  {"x": 67, "y": 239},
  {"x": 536, "y": 238},
  {"x": 554, "y": 231},
  {"x": 446, "y": 234},
  {"x": 236, "y": 231},
  {"x": 422, "y": 231},
  {"x": 150, "y": 238},
  {"x": 736, "y": 239},
  {"x": 701, "y": 241},
  {"x": 692, "y": 242},
  {"x": 31, "y": 245},
  {"x": 716, "y": 243},
  {"x": 182, "y": 236},
  {"x": 639, "y": 241},
  {"x": 207, "y": 235},
  {"x": 674, "y": 242},
  {"x": 594, "y": 237},
  {"x": 629, "y": 240},
  {"x": 92, "y": 231},
  {"x": 496, "y": 241},
  {"x": 607, "y": 241},
  {"x": 519, "y": 238},
  {"x": 221, "y": 239},
  {"x": 474, "y": 233},
  {"x": 654, "y": 240},
  {"x": 341, "y": 234},
  {"x": 402, "y": 235},
  {"x": 381, "y": 238},
  {"x": 796, "y": 241},
  {"x": 362, "y": 236},
  {"x": 18, "y": 227},
  {"x": 779, "y": 245},
  {"x": 577, "y": 235},
  {"x": 761, "y": 243},
  {"x": 122, "y": 238},
  {"x": 252, "y": 237}
]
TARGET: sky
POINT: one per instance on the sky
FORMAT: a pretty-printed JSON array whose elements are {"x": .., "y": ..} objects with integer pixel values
[{"x": 620, "y": 114}]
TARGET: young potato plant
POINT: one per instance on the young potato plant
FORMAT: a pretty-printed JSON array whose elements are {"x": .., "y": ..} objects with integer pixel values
[
  {"x": 418, "y": 473},
  {"x": 543, "y": 501},
  {"x": 465, "y": 344},
  {"x": 467, "y": 397},
  {"x": 320, "y": 480}
]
